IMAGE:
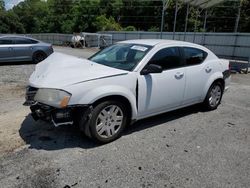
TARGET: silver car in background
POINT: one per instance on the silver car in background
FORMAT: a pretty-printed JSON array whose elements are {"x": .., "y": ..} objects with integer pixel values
[{"x": 19, "y": 48}]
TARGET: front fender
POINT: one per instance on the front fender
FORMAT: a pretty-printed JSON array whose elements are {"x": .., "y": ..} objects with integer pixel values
[
  {"x": 212, "y": 78},
  {"x": 104, "y": 91}
]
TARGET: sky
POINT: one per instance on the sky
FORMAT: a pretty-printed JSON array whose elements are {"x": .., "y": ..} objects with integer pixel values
[{"x": 10, "y": 3}]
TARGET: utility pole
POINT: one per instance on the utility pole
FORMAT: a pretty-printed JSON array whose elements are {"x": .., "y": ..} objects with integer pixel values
[
  {"x": 238, "y": 18},
  {"x": 175, "y": 17},
  {"x": 186, "y": 22},
  {"x": 164, "y": 7}
]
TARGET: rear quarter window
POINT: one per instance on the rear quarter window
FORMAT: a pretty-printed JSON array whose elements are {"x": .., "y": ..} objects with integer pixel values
[{"x": 194, "y": 56}]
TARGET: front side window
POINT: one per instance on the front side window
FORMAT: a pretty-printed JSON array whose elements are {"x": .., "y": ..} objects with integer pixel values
[
  {"x": 121, "y": 56},
  {"x": 167, "y": 58},
  {"x": 194, "y": 56},
  {"x": 5, "y": 41}
]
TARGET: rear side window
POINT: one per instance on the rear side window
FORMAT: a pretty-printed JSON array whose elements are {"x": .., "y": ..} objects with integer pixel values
[
  {"x": 167, "y": 58},
  {"x": 194, "y": 56},
  {"x": 22, "y": 41},
  {"x": 5, "y": 41}
]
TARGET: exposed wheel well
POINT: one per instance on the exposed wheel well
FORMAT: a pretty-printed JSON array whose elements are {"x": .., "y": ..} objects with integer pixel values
[
  {"x": 118, "y": 98},
  {"x": 220, "y": 80}
]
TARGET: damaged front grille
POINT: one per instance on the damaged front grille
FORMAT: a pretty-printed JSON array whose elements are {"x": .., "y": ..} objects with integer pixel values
[{"x": 30, "y": 95}]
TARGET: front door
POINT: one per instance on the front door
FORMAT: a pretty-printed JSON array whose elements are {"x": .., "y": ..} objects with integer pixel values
[
  {"x": 6, "y": 49},
  {"x": 160, "y": 92}
]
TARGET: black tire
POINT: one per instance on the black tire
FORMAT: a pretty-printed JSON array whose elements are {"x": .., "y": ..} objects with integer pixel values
[
  {"x": 92, "y": 122},
  {"x": 38, "y": 57},
  {"x": 207, "y": 104}
]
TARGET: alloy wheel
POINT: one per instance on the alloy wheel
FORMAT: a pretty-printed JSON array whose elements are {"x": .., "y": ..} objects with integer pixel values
[
  {"x": 109, "y": 121},
  {"x": 215, "y": 96}
]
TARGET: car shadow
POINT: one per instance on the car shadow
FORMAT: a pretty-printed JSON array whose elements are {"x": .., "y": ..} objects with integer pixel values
[
  {"x": 163, "y": 118},
  {"x": 42, "y": 135}
]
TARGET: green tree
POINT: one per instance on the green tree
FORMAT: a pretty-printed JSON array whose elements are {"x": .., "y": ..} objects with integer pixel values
[
  {"x": 60, "y": 16},
  {"x": 84, "y": 14},
  {"x": 10, "y": 23},
  {"x": 33, "y": 15},
  {"x": 106, "y": 24},
  {"x": 2, "y": 5},
  {"x": 129, "y": 28}
]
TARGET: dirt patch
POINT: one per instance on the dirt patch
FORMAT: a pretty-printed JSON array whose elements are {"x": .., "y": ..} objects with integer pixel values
[{"x": 9, "y": 130}]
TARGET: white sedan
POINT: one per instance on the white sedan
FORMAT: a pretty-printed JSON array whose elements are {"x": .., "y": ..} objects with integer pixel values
[{"x": 123, "y": 83}]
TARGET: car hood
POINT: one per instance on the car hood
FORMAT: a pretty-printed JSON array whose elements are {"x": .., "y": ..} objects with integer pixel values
[{"x": 60, "y": 70}]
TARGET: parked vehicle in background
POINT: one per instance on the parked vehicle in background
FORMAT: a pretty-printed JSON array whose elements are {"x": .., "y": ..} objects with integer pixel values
[
  {"x": 125, "y": 82},
  {"x": 19, "y": 48}
]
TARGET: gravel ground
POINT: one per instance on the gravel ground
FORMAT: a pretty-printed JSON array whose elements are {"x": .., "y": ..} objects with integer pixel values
[{"x": 184, "y": 148}]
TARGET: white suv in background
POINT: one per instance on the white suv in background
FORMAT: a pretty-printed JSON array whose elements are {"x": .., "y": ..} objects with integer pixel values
[{"x": 125, "y": 82}]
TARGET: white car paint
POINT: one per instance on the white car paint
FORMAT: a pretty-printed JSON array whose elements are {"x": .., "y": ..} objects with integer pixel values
[{"x": 157, "y": 93}]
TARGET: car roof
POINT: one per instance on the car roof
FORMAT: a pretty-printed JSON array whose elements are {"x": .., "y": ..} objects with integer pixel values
[
  {"x": 19, "y": 36},
  {"x": 153, "y": 42}
]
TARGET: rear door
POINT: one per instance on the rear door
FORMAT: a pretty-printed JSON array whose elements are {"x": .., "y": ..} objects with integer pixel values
[
  {"x": 197, "y": 73},
  {"x": 23, "y": 49},
  {"x": 6, "y": 49}
]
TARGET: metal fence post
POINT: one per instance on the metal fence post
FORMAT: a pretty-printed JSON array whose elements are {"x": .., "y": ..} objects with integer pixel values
[
  {"x": 195, "y": 26},
  {"x": 238, "y": 18},
  {"x": 234, "y": 47},
  {"x": 186, "y": 22},
  {"x": 175, "y": 17},
  {"x": 204, "y": 28}
]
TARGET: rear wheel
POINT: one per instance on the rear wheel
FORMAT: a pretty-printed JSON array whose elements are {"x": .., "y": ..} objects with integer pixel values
[
  {"x": 107, "y": 121},
  {"x": 214, "y": 96},
  {"x": 38, "y": 57}
]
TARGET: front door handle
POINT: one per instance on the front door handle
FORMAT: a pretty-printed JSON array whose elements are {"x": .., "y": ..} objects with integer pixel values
[
  {"x": 179, "y": 75},
  {"x": 208, "y": 69},
  {"x": 10, "y": 48}
]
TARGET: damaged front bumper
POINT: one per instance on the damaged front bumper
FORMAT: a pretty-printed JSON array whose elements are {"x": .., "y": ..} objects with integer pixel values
[{"x": 58, "y": 116}]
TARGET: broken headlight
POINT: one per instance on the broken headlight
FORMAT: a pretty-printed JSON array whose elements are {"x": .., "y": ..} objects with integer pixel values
[{"x": 53, "y": 97}]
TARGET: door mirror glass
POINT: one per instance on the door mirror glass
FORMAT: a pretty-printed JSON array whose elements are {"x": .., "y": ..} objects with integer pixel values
[{"x": 151, "y": 68}]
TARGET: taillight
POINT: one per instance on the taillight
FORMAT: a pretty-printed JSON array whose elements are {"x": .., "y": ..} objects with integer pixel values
[{"x": 229, "y": 66}]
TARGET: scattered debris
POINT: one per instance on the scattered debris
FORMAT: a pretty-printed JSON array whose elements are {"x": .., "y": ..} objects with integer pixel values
[{"x": 74, "y": 184}]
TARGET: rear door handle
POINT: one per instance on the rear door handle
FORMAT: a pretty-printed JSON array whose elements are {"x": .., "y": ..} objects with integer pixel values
[
  {"x": 208, "y": 69},
  {"x": 179, "y": 75},
  {"x": 10, "y": 48}
]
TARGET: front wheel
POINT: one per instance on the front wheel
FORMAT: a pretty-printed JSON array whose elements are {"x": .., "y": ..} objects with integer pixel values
[
  {"x": 108, "y": 120},
  {"x": 214, "y": 96}
]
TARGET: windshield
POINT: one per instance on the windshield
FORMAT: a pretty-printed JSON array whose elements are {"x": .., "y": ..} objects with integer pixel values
[{"x": 121, "y": 56}]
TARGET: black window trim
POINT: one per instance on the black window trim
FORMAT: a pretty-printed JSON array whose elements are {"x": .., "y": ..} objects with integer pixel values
[
  {"x": 183, "y": 63},
  {"x": 183, "y": 55}
]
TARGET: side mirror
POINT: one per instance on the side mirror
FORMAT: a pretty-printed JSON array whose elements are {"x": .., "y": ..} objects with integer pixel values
[{"x": 151, "y": 68}]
